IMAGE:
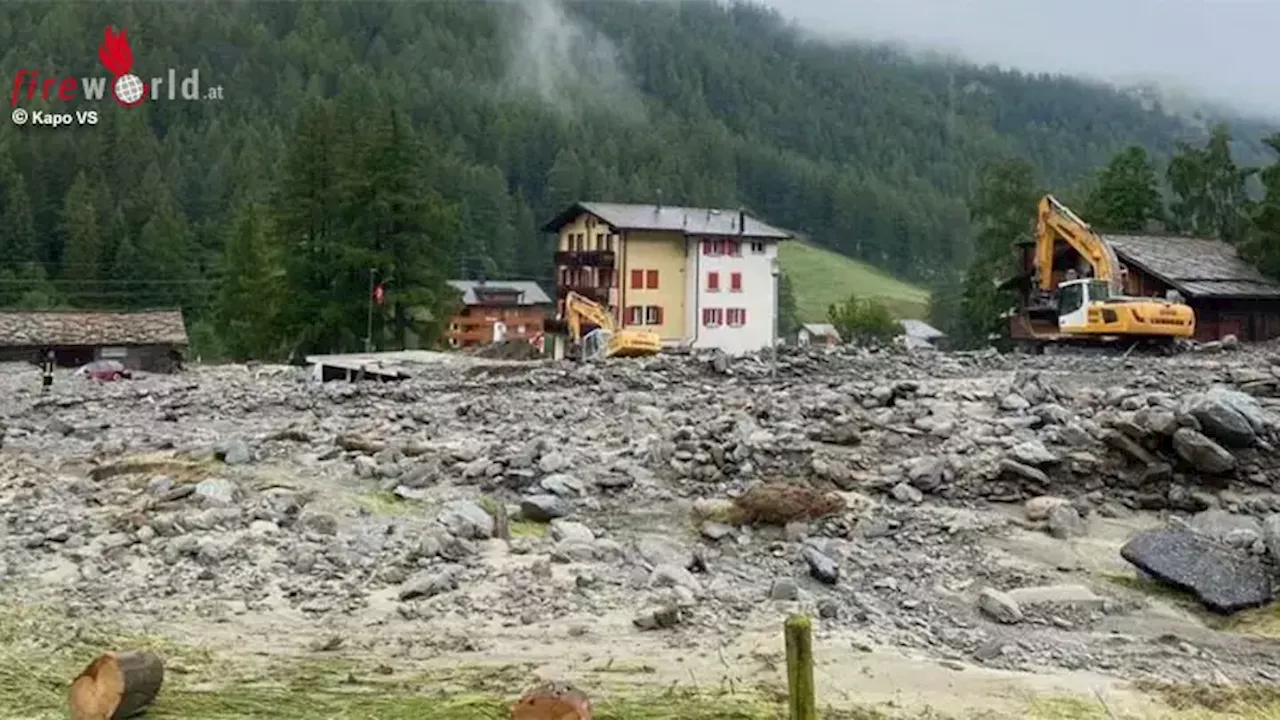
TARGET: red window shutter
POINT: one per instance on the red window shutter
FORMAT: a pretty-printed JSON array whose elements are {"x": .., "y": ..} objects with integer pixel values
[
  {"x": 706, "y": 247},
  {"x": 637, "y": 279},
  {"x": 659, "y": 316},
  {"x": 735, "y": 282},
  {"x": 743, "y": 315},
  {"x": 713, "y": 281},
  {"x": 732, "y": 247},
  {"x": 653, "y": 280}
]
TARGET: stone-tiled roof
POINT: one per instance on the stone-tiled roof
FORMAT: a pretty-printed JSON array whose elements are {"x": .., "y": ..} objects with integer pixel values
[
  {"x": 688, "y": 220},
  {"x": 530, "y": 292},
  {"x": 1196, "y": 267},
  {"x": 69, "y": 328}
]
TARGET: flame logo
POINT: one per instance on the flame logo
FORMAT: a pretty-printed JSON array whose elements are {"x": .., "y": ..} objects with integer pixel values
[
  {"x": 117, "y": 57},
  {"x": 115, "y": 53}
]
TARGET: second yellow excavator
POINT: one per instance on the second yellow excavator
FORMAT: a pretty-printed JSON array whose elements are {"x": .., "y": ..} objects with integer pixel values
[
  {"x": 1077, "y": 294},
  {"x": 607, "y": 339}
]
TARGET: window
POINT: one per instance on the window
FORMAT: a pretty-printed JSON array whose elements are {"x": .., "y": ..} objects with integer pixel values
[
  {"x": 757, "y": 248},
  {"x": 713, "y": 282},
  {"x": 600, "y": 241},
  {"x": 732, "y": 247},
  {"x": 637, "y": 279},
  {"x": 635, "y": 315},
  {"x": 713, "y": 247},
  {"x": 652, "y": 280},
  {"x": 653, "y": 315},
  {"x": 712, "y": 317},
  {"x": 735, "y": 282},
  {"x": 737, "y": 317}
]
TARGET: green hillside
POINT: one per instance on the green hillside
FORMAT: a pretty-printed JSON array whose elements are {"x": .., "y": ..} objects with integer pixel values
[
  {"x": 429, "y": 140},
  {"x": 820, "y": 277}
]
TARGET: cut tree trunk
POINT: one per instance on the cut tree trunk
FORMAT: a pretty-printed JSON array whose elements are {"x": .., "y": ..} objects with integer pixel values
[
  {"x": 116, "y": 686},
  {"x": 552, "y": 701}
]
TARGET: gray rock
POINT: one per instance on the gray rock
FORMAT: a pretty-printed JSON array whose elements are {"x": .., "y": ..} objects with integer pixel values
[
  {"x": 926, "y": 472},
  {"x": 1033, "y": 453},
  {"x": 1271, "y": 535},
  {"x": 999, "y": 606},
  {"x": 905, "y": 493},
  {"x": 544, "y": 508},
  {"x": 657, "y": 618},
  {"x": 821, "y": 568},
  {"x": 322, "y": 523},
  {"x": 1221, "y": 421},
  {"x": 1225, "y": 580},
  {"x": 571, "y": 531},
  {"x": 235, "y": 452},
  {"x": 1219, "y": 524},
  {"x": 427, "y": 585},
  {"x": 562, "y": 485},
  {"x": 784, "y": 588},
  {"x": 1202, "y": 453},
  {"x": 1065, "y": 522},
  {"x": 217, "y": 492},
  {"x": 467, "y": 520}
]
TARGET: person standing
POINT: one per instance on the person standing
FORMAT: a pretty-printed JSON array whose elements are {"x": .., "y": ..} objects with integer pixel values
[{"x": 46, "y": 367}]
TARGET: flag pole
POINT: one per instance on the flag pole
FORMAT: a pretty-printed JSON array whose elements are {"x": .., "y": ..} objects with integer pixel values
[{"x": 368, "y": 331}]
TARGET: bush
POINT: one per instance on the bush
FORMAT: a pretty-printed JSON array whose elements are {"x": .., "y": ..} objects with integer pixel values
[{"x": 863, "y": 321}]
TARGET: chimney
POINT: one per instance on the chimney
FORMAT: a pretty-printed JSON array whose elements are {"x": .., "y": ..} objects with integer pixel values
[
  {"x": 742, "y": 221},
  {"x": 657, "y": 207}
]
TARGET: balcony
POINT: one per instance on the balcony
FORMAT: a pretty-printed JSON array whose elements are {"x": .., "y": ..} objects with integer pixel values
[
  {"x": 598, "y": 294},
  {"x": 584, "y": 258}
]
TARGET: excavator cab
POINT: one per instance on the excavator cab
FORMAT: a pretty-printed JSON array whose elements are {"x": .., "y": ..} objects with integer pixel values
[{"x": 1074, "y": 299}]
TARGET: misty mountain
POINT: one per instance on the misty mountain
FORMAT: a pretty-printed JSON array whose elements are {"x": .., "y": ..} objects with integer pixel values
[{"x": 520, "y": 108}]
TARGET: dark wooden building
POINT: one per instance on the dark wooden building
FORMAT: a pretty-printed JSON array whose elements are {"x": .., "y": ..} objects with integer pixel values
[
  {"x": 1229, "y": 296},
  {"x": 152, "y": 340}
]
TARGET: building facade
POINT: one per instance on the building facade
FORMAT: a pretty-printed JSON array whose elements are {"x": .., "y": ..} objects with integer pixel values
[
  {"x": 496, "y": 311},
  {"x": 698, "y": 277},
  {"x": 151, "y": 340}
]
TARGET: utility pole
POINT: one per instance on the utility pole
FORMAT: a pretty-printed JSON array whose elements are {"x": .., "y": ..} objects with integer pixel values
[
  {"x": 776, "y": 271},
  {"x": 368, "y": 327}
]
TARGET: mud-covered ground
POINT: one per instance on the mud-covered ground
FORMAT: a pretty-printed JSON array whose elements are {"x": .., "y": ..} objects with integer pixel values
[{"x": 607, "y": 525}]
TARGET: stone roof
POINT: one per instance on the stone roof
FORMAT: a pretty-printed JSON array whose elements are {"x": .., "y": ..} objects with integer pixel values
[
  {"x": 688, "y": 220},
  {"x": 920, "y": 329},
  {"x": 1196, "y": 267},
  {"x": 71, "y": 328},
  {"x": 530, "y": 292}
]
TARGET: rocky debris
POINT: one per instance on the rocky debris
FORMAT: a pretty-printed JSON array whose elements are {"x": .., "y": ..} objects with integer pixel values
[
  {"x": 699, "y": 496},
  {"x": 1225, "y": 580}
]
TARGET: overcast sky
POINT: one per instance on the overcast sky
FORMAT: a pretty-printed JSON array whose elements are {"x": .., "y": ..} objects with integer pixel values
[{"x": 1221, "y": 49}]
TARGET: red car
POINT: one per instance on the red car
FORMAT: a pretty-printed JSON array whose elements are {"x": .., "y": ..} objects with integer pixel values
[{"x": 104, "y": 370}]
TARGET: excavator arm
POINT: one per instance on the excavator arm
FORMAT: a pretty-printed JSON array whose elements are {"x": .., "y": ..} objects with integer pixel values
[
  {"x": 1055, "y": 221},
  {"x": 578, "y": 309}
]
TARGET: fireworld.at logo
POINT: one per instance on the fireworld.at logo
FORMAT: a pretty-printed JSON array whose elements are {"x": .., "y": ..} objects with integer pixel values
[{"x": 127, "y": 88}]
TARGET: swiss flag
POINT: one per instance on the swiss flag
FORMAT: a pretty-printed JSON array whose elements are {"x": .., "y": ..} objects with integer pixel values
[{"x": 379, "y": 294}]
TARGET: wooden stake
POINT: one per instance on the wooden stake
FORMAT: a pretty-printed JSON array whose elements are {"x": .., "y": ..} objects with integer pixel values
[
  {"x": 800, "y": 691},
  {"x": 116, "y": 686},
  {"x": 552, "y": 701}
]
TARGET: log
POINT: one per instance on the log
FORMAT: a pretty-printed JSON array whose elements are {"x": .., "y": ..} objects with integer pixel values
[
  {"x": 116, "y": 686},
  {"x": 800, "y": 693},
  {"x": 552, "y": 701}
]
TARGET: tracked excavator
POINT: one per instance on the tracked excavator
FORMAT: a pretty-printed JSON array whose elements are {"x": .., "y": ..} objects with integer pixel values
[
  {"x": 605, "y": 339},
  {"x": 1077, "y": 295}
]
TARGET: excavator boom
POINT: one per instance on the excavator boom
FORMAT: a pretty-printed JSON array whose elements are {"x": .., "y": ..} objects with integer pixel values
[{"x": 1058, "y": 221}]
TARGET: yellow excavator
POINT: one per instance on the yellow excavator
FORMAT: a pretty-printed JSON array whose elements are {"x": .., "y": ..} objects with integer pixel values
[
  {"x": 1077, "y": 295},
  {"x": 606, "y": 339}
]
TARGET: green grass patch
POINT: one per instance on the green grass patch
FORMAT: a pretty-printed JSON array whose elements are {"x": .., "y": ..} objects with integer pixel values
[
  {"x": 527, "y": 528},
  {"x": 385, "y": 502},
  {"x": 821, "y": 277}
]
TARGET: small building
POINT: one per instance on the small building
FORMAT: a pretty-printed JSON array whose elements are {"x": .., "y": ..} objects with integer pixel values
[
  {"x": 1228, "y": 295},
  {"x": 698, "y": 277},
  {"x": 496, "y": 311},
  {"x": 149, "y": 340},
  {"x": 920, "y": 335},
  {"x": 817, "y": 334}
]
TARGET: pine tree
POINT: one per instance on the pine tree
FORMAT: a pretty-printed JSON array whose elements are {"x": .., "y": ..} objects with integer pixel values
[
  {"x": 1127, "y": 195},
  {"x": 82, "y": 255},
  {"x": 248, "y": 298}
]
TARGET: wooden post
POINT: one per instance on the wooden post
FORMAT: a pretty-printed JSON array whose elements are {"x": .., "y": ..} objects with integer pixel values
[{"x": 799, "y": 638}]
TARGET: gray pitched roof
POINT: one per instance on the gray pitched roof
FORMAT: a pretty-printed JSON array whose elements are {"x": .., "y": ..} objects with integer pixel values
[
  {"x": 72, "y": 328},
  {"x": 920, "y": 329},
  {"x": 530, "y": 292},
  {"x": 689, "y": 220},
  {"x": 1196, "y": 267},
  {"x": 822, "y": 329}
]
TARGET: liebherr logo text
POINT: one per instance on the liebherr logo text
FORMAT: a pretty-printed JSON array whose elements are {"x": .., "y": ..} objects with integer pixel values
[{"x": 123, "y": 86}]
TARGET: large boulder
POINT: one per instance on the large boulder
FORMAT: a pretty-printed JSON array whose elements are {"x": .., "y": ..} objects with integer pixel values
[
  {"x": 1225, "y": 580},
  {"x": 1202, "y": 453},
  {"x": 1221, "y": 420}
]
